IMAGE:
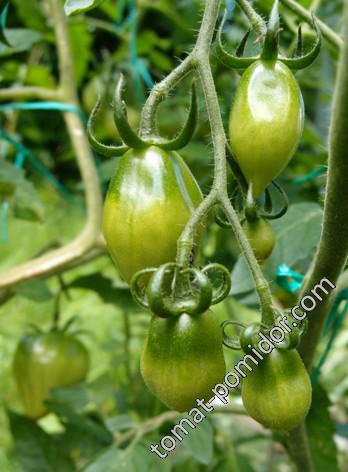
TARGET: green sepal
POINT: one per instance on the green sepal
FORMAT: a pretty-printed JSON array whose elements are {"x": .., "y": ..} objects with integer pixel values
[
  {"x": 250, "y": 210},
  {"x": 128, "y": 136},
  {"x": 187, "y": 131},
  {"x": 250, "y": 336},
  {"x": 224, "y": 287},
  {"x": 234, "y": 62},
  {"x": 299, "y": 48},
  {"x": 297, "y": 63},
  {"x": 165, "y": 304},
  {"x": 285, "y": 206},
  {"x": 104, "y": 149},
  {"x": 138, "y": 289},
  {"x": 228, "y": 341}
]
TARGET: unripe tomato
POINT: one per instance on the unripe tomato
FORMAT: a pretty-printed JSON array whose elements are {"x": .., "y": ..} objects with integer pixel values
[
  {"x": 266, "y": 122},
  {"x": 150, "y": 199},
  {"x": 278, "y": 393},
  {"x": 44, "y": 361},
  {"x": 261, "y": 237},
  {"x": 183, "y": 359}
]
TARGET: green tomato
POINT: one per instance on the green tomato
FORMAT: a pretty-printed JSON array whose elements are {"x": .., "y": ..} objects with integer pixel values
[
  {"x": 266, "y": 122},
  {"x": 45, "y": 361},
  {"x": 150, "y": 199},
  {"x": 183, "y": 359},
  {"x": 261, "y": 237},
  {"x": 278, "y": 393}
]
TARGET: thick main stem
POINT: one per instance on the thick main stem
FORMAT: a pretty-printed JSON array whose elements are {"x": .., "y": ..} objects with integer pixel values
[{"x": 333, "y": 246}]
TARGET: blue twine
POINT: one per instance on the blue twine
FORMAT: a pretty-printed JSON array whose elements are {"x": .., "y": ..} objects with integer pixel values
[
  {"x": 288, "y": 279},
  {"x": 310, "y": 176},
  {"x": 51, "y": 106},
  {"x": 230, "y": 7},
  {"x": 23, "y": 152},
  {"x": 4, "y": 214}
]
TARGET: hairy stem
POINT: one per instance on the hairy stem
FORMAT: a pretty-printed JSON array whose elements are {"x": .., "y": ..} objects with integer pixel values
[
  {"x": 299, "y": 449},
  {"x": 256, "y": 21},
  {"x": 218, "y": 193},
  {"x": 148, "y": 123}
]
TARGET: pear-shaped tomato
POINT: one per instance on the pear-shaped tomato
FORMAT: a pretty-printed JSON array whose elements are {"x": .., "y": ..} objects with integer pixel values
[
  {"x": 278, "y": 393},
  {"x": 261, "y": 237},
  {"x": 150, "y": 199},
  {"x": 266, "y": 122},
  {"x": 182, "y": 359},
  {"x": 44, "y": 361}
]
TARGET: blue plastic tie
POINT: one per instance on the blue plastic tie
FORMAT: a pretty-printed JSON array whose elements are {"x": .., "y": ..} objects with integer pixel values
[
  {"x": 50, "y": 106},
  {"x": 320, "y": 170},
  {"x": 288, "y": 279}
]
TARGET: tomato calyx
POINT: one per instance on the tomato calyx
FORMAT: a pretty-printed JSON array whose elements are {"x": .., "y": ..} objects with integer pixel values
[
  {"x": 130, "y": 139},
  {"x": 270, "y": 47},
  {"x": 173, "y": 290}
]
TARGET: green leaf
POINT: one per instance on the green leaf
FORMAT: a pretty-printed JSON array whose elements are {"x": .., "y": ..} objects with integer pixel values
[
  {"x": 39, "y": 75},
  {"x": 133, "y": 459},
  {"x": 10, "y": 177},
  {"x": 26, "y": 203},
  {"x": 321, "y": 430},
  {"x": 85, "y": 433},
  {"x": 20, "y": 39},
  {"x": 74, "y": 7},
  {"x": 36, "y": 290},
  {"x": 120, "y": 297},
  {"x": 199, "y": 442},
  {"x": 76, "y": 396},
  {"x": 120, "y": 423},
  {"x": 30, "y": 13},
  {"x": 34, "y": 449},
  {"x": 297, "y": 233}
]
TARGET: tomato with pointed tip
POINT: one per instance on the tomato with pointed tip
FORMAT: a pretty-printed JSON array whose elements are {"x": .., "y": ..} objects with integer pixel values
[
  {"x": 266, "y": 122},
  {"x": 44, "y": 361},
  {"x": 182, "y": 359},
  {"x": 261, "y": 237},
  {"x": 150, "y": 199},
  {"x": 278, "y": 392}
]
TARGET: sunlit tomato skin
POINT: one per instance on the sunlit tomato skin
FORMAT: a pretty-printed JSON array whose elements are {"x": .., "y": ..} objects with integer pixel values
[
  {"x": 278, "y": 393},
  {"x": 261, "y": 237},
  {"x": 266, "y": 122},
  {"x": 182, "y": 359},
  {"x": 150, "y": 199},
  {"x": 45, "y": 361}
]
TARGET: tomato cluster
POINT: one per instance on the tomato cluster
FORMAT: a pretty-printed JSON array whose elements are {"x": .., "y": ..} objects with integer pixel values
[{"x": 152, "y": 197}]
